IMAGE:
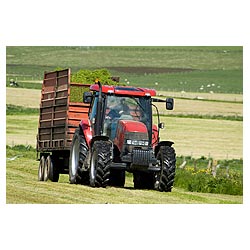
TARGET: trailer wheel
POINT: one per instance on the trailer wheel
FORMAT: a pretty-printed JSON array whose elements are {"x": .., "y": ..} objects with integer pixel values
[
  {"x": 53, "y": 173},
  {"x": 101, "y": 158},
  {"x": 165, "y": 178},
  {"x": 46, "y": 168},
  {"x": 78, "y": 153},
  {"x": 50, "y": 170},
  {"x": 41, "y": 169}
]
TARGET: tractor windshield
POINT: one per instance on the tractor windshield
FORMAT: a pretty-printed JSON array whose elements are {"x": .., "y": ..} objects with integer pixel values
[{"x": 127, "y": 108}]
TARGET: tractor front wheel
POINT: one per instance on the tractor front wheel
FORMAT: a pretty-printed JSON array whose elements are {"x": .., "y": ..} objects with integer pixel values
[
  {"x": 101, "y": 158},
  {"x": 165, "y": 178}
]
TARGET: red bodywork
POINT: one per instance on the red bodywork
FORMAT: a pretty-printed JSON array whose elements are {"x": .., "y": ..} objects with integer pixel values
[
  {"x": 123, "y": 125},
  {"x": 124, "y": 90},
  {"x": 128, "y": 126}
]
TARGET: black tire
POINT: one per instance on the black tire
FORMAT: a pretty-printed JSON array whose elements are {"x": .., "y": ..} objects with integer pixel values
[
  {"x": 117, "y": 178},
  {"x": 101, "y": 159},
  {"x": 46, "y": 168},
  {"x": 143, "y": 180},
  {"x": 165, "y": 178},
  {"x": 41, "y": 169},
  {"x": 51, "y": 172},
  {"x": 78, "y": 154}
]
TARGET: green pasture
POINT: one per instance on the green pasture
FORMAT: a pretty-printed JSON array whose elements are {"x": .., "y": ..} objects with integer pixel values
[{"x": 164, "y": 68}]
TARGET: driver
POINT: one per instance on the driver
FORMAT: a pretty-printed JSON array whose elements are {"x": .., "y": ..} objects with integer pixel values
[{"x": 120, "y": 111}]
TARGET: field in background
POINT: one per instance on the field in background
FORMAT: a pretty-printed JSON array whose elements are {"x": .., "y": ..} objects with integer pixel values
[
  {"x": 195, "y": 69},
  {"x": 197, "y": 137}
]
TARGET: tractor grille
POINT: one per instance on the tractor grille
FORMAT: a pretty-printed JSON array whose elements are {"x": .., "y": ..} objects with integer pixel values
[{"x": 142, "y": 157}]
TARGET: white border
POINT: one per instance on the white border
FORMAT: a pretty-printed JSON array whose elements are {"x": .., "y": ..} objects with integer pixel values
[{"x": 189, "y": 23}]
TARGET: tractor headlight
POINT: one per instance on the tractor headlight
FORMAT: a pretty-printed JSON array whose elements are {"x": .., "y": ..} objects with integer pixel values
[{"x": 136, "y": 142}]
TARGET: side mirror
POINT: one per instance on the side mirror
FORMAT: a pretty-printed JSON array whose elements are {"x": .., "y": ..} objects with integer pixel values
[
  {"x": 161, "y": 125},
  {"x": 169, "y": 103},
  {"x": 87, "y": 97}
]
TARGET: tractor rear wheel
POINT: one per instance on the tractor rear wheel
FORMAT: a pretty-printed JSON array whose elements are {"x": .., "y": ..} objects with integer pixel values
[
  {"x": 41, "y": 169},
  {"x": 78, "y": 154},
  {"x": 101, "y": 158},
  {"x": 165, "y": 178}
]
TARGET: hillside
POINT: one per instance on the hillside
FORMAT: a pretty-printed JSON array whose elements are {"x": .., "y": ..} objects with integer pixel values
[{"x": 189, "y": 69}]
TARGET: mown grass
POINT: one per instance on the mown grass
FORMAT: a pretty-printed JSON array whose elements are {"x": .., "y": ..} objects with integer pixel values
[
  {"x": 29, "y": 98},
  {"x": 22, "y": 186},
  {"x": 220, "y": 139},
  {"x": 204, "y": 109},
  {"x": 21, "y": 129}
]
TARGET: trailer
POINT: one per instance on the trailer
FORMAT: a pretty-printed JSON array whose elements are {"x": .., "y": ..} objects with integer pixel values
[{"x": 60, "y": 115}]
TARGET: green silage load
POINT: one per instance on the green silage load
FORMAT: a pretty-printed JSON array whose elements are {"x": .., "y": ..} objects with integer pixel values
[
  {"x": 76, "y": 93},
  {"x": 85, "y": 76},
  {"x": 89, "y": 76}
]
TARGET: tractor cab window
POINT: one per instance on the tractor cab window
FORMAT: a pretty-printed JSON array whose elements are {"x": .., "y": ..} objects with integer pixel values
[
  {"x": 92, "y": 113},
  {"x": 118, "y": 107},
  {"x": 123, "y": 108}
]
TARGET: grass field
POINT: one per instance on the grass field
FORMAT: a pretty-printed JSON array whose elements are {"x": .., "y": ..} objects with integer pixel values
[
  {"x": 21, "y": 129},
  {"x": 220, "y": 139},
  {"x": 22, "y": 186},
  {"x": 173, "y": 68},
  {"x": 196, "y": 137},
  {"x": 29, "y": 98}
]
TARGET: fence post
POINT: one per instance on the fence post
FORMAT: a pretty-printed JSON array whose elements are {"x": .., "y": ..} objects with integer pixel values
[
  {"x": 183, "y": 165},
  {"x": 195, "y": 163},
  {"x": 209, "y": 166}
]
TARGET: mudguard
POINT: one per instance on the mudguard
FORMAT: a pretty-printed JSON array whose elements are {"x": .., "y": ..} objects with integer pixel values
[
  {"x": 87, "y": 130},
  {"x": 155, "y": 134},
  {"x": 162, "y": 143}
]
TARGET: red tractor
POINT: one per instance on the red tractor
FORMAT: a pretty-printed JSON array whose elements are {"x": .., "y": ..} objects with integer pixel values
[{"x": 119, "y": 136}]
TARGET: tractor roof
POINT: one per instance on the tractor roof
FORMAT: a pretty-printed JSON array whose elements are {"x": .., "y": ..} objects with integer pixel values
[{"x": 124, "y": 90}]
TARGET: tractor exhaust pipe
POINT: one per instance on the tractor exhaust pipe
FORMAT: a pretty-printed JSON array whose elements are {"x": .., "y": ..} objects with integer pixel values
[{"x": 98, "y": 125}]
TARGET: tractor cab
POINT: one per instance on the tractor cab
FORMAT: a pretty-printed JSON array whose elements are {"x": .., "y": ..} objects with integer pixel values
[{"x": 114, "y": 105}]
